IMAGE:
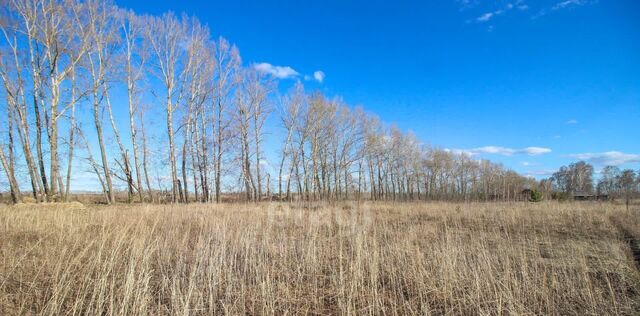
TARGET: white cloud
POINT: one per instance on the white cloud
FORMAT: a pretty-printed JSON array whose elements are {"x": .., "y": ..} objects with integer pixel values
[
  {"x": 318, "y": 76},
  {"x": 264, "y": 162},
  {"x": 572, "y": 122},
  {"x": 567, "y": 3},
  {"x": 534, "y": 151},
  {"x": 539, "y": 173},
  {"x": 504, "y": 151},
  {"x": 494, "y": 150},
  {"x": 519, "y": 4},
  {"x": 280, "y": 72},
  {"x": 497, "y": 150},
  {"x": 609, "y": 158},
  {"x": 485, "y": 17}
]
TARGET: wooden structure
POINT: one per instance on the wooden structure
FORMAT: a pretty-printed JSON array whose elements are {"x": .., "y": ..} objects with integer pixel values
[
  {"x": 525, "y": 195},
  {"x": 586, "y": 196}
]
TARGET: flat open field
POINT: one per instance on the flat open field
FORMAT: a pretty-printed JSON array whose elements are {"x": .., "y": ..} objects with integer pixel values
[{"x": 408, "y": 258}]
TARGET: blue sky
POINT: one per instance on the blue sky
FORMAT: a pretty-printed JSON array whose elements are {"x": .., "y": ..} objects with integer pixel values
[{"x": 532, "y": 84}]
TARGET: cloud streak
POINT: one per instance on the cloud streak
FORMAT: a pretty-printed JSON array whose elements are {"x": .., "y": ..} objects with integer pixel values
[
  {"x": 539, "y": 173},
  {"x": 280, "y": 72},
  {"x": 609, "y": 158},
  {"x": 487, "y": 16},
  {"x": 565, "y": 4},
  {"x": 505, "y": 151}
]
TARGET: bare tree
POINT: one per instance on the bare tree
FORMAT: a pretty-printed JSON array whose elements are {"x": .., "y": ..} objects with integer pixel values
[
  {"x": 100, "y": 33},
  {"x": 9, "y": 169},
  {"x": 291, "y": 106},
  {"x": 16, "y": 97},
  {"x": 135, "y": 57},
  {"x": 197, "y": 88},
  {"x": 167, "y": 36},
  {"x": 259, "y": 89},
  {"x": 577, "y": 177},
  {"x": 243, "y": 118},
  {"x": 227, "y": 59},
  {"x": 64, "y": 45},
  {"x": 145, "y": 154},
  {"x": 608, "y": 183},
  {"x": 627, "y": 183},
  {"x": 29, "y": 12},
  {"x": 8, "y": 164},
  {"x": 71, "y": 140}
]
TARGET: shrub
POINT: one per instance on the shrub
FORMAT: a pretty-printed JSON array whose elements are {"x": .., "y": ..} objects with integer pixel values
[{"x": 536, "y": 196}]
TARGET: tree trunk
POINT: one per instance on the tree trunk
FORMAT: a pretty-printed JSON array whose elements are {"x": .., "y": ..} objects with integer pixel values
[
  {"x": 15, "y": 192},
  {"x": 258, "y": 196},
  {"x": 123, "y": 151},
  {"x": 16, "y": 197},
  {"x": 194, "y": 159},
  {"x": 23, "y": 133},
  {"x": 35, "y": 77},
  {"x": 53, "y": 159},
  {"x": 185, "y": 186},
  {"x": 132, "y": 127},
  {"x": 103, "y": 153},
  {"x": 72, "y": 128},
  {"x": 172, "y": 155},
  {"x": 218, "y": 147},
  {"x": 145, "y": 160}
]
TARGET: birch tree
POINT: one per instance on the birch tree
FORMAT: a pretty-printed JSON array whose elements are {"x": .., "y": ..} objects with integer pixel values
[
  {"x": 135, "y": 54},
  {"x": 259, "y": 88},
  {"x": 101, "y": 36},
  {"x": 291, "y": 106},
  {"x": 166, "y": 35},
  {"x": 14, "y": 84},
  {"x": 226, "y": 79},
  {"x": 64, "y": 46}
]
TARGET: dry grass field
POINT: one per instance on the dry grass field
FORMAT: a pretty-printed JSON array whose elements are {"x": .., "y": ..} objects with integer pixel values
[{"x": 436, "y": 258}]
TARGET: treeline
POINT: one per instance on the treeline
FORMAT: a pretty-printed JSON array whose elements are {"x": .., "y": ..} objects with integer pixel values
[
  {"x": 61, "y": 55},
  {"x": 334, "y": 152},
  {"x": 578, "y": 179}
]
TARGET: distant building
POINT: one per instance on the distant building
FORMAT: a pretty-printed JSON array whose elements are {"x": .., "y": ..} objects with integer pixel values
[
  {"x": 586, "y": 196},
  {"x": 525, "y": 195}
]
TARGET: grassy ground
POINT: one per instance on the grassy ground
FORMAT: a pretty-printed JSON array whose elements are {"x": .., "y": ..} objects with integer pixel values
[{"x": 436, "y": 258}]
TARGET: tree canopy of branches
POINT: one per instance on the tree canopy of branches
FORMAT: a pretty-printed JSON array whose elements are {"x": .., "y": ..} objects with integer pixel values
[{"x": 577, "y": 177}]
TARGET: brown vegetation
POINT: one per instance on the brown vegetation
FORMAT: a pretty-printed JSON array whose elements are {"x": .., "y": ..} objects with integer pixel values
[{"x": 373, "y": 258}]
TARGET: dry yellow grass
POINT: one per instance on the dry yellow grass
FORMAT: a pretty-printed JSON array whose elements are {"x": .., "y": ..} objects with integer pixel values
[{"x": 435, "y": 258}]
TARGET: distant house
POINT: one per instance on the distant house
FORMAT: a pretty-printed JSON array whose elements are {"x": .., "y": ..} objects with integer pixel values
[
  {"x": 583, "y": 196},
  {"x": 525, "y": 195},
  {"x": 586, "y": 196}
]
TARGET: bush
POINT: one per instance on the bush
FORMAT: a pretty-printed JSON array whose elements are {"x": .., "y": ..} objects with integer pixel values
[{"x": 536, "y": 196}]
